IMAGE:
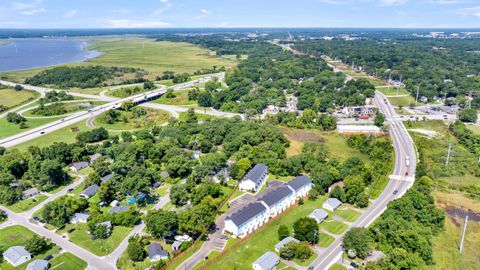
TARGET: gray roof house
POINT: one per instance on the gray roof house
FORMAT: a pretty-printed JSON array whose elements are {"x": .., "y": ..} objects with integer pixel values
[
  {"x": 107, "y": 224},
  {"x": 156, "y": 252},
  {"x": 95, "y": 157},
  {"x": 29, "y": 193},
  {"x": 299, "y": 182},
  {"x": 267, "y": 261},
  {"x": 16, "y": 255},
  {"x": 106, "y": 177},
  {"x": 119, "y": 209},
  {"x": 245, "y": 214},
  {"x": 90, "y": 191},
  {"x": 276, "y": 195},
  {"x": 164, "y": 175},
  {"x": 255, "y": 178},
  {"x": 332, "y": 204},
  {"x": 38, "y": 265},
  {"x": 79, "y": 218},
  {"x": 285, "y": 241},
  {"x": 319, "y": 215},
  {"x": 77, "y": 166}
]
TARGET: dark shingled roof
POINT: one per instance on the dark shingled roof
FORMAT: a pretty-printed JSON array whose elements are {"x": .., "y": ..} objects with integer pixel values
[
  {"x": 245, "y": 214},
  {"x": 156, "y": 249},
  {"x": 299, "y": 182},
  {"x": 106, "y": 177},
  {"x": 275, "y": 195},
  {"x": 257, "y": 171},
  {"x": 90, "y": 191}
]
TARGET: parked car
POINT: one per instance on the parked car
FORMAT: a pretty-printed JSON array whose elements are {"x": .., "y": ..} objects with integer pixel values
[
  {"x": 71, "y": 230},
  {"x": 395, "y": 192},
  {"x": 48, "y": 258},
  {"x": 70, "y": 190}
]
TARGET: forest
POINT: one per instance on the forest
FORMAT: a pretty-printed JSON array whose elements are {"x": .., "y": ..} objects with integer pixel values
[{"x": 439, "y": 68}]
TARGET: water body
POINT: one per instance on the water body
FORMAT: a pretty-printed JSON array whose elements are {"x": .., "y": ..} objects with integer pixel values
[{"x": 21, "y": 54}]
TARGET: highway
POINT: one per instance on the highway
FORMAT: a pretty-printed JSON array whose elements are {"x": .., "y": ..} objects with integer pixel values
[{"x": 401, "y": 180}]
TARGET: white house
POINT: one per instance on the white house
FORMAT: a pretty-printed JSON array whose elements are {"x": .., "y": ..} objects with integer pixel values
[
  {"x": 301, "y": 185},
  {"x": 29, "y": 193},
  {"x": 319, "y": 215},
  {"x": 38, "y": 265},
  {"x": 79, "y": 218},
  {"x": 16, "y": 255},
  {"x": 246, "y": 220},
  {"x": 267, "y": 261},
  {"x": 332, "y": 204},
  {"x": 77, "y": 166},
  {"x": 255, "y": 178},
  {"x": 277, "y": 200}
]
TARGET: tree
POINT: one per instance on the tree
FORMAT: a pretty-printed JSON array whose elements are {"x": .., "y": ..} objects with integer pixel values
[
  {"x": 359, "y": 240},
  {"x": 160, "y": 223},
  {"x": 205, "y": 99},
  {"x": 135, "y": 252},
  {"x": 338, "y": 193},
  {"x": 294, "y": 250},
  {"x": 126, "y": 106},
  {"x": 170, "y": 94},
  {"x": 100, "y": 231},
  {"x": 148, "y": 85},
  {"x": 191, "y": 116},
  {"x": 468, "y": 115},
  {"x": 306, "y": 229},
  {"x": 379, "y": 119},
  {"x": 18, "y": 87},
  {"x": 283, "y": 232},
  {"x": 37, "y": 245}
]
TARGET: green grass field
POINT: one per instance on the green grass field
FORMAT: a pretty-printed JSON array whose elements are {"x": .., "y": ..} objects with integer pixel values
[
  {"x": 70, "y": 107},
  {"x": 244, "y": 255},
  {"x": 11, "y": 98},
  {"x": 181, "y": 98},
  {"x": 61, "y": 135},
  {"x": 337, "y": 267},
  {"x": 324, "y": 240},
  {"x": 9, "y": 129},
  {"x": 333, "y": 226},
  {"x": 393, "y": 91},
  {"x": 474, "y": 128},
  {"x": 153, "y": 118},
  {"x": 67, "y": 261},
  {"x": 27, "y": 204},
  {"x": 402, "y": 101},
  {"x": 348, "y": 214},
  {"x": 99, "y": 247}
]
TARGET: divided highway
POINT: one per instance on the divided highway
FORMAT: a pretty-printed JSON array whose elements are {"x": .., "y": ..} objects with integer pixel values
[{"x": 402, "y": 179}]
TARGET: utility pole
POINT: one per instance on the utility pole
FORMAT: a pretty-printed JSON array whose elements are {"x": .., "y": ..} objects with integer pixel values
[
  {"x": 416, "y": 99},
  {"x": 463, "y": 234},
  {"x": 448, "y": 154}
]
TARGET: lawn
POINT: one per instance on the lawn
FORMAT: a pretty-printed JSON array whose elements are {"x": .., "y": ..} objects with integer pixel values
[
  {"x": 163, "y": 190},
  {"x": 185, "y": 256},
  {"x": 18, "y": 235},
  {"x": 402, "y": 101},
  {"x": 12, "y": 98},
  {"x": 124, "y": 263},
  {"x": 200, "y": 116},
  {"x": 27, "y": 204},
  {"x": 153, "y": 118},
  {"x": 474, "y": 128},
  {"x": 70, "y": 107},
  {"x": 99, "y": 247},
  {"x": 67, "y": 261},
  {"x": 348, "y": 214},
  {"x": 324, "y": 240},
  {"x": 265, "y": 240},
  {"x": 392, "y": 91},
  {"x": 9, "y": 129},
  {"x": 61, "y": 135},
  {"x": 181, "y": 98},
  {"x": 337, "y": 267},
  {"x": 333, "y": 226},
  {"x": 377, "y": 186}
]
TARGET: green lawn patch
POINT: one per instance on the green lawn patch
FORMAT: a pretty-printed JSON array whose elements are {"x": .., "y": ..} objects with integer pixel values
[
  {"x": 181, "y": 98},
  {"x": 377, "y": 186},
  {"x": 163, "y": 190},
  {"x": 244, "y": 255},
  {"x": 402, "y": 101},
  {"x": 27, "y": 204},
  {"x": 200, "y": 116},
  {"x": 337, "y": 267},
  {"x": 12, "y": 98},
  {"x": 9, "y": 129},
  {"x": 333, "y": 226},
  {"x": 67, "y": 261},
  {"x": 324, "y": 240},
  {"x": 348, "y": 214},
  {"x": 392, "y": 91},
  {"x": 153, "y": 118},
  {"x": 81, "y": 237},
  {"x": 195, "y": 248}
]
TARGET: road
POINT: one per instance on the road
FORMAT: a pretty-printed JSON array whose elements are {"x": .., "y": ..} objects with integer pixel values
[
  {"x": 76, "y": 117},
  {"x": 401, "y": 180}
]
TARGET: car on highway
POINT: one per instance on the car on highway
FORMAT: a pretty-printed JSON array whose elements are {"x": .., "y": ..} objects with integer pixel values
[
  {"x": 224, "y": 237},
  {"x": 42, "y": 132},
  {"x": 395, "y": 192},
  {"x": 70, "y": 190},
  {"x": 406, "y": 173}
]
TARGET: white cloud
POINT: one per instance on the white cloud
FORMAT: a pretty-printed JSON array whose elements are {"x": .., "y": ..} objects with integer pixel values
[
  {"x": 164, "y": 1},
  {"x": 393, "y": 2},
  {"x": 126, "y": 23},
  {"x": 161, "y": 10},
  {"x": 473, "y": 11},
  {"x": 23, "y": 5},
  {"x": 204, "y": 11},
  {"x": 445, "y": 2},
  {"x": 34, "y": 11},
  {"x": 71, "y": 13},
  {"x": 333, "y": 2}
]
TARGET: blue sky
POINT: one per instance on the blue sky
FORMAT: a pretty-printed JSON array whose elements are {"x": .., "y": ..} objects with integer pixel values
[{"x": 238, "y": 13}]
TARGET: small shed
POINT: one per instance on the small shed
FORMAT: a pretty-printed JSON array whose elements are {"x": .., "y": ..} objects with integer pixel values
[
  {"x": 267, "y": 261},
  {"x": 331, "y": 204},
  {"x": 319, "y": 215}
]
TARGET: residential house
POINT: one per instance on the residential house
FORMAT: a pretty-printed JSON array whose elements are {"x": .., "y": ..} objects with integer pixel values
[
  {"x": 339, "y": 184},
  {"x": 301, "y": 185},
  {"x": 246, "y": 220},
  {"x": 29, "y": 193},
  {"x": 196, "y": 154},
  {"x": 114, "y": 203},
  {"x": 332, "y": 204},
  {"x": 89, "y": 191},
  {"x": 183, "y": 238},
  {"x": 77, "y": 166},
  {"x": 267, "y": 261},
  {"x": 119, "y": 209},
  {"x": 79, "y": 218},
  {"x": 94, "y": 157},
  {"x": 277, "y": 200},
  {"x": 156, "y": 252},
  {"x": 164, "y": 175},
  {"x": 16, "y": 255},
  {"x": 255, "y": 178},
  {"x": 38, "y": 265},
  {"x": 285, "y": 241},
  {"x": 319, "y": 215},
  {"x": 106, "y": 177},
  {"x": 107, "y": 224}
]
